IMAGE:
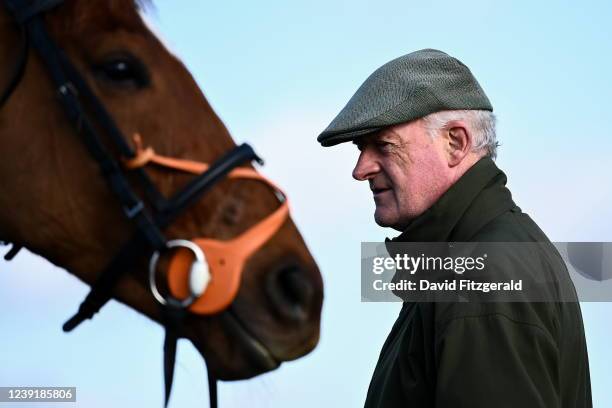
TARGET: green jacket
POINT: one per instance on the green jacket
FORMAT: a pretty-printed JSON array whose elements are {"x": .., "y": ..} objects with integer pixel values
[{"x": 482, "y": 355}]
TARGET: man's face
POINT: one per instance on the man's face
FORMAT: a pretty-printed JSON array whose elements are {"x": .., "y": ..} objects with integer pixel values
[{"x": 407, "y": 171}]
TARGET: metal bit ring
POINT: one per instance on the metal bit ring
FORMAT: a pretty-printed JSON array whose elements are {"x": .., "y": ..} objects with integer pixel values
[{"x": 176, "y": 243}]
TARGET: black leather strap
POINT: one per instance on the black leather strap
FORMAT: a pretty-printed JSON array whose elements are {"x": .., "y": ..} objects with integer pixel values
[
  {"x": 101, "y": 291},
  {"x": 12, "y": 253},
  {"x": 172, "y": 318},
  {"x": 108, "y": 125},
  {"x": 19, "y": 70},
  {"x": 69, "y": 98},
  {"x": 193, "y": 191},
  {"x": 23, "y": 11},
  {"x": 212, "y": 389},
  {"x": 75, "y": 96}
]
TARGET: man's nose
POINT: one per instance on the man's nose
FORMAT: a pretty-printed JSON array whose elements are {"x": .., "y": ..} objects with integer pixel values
[{"x": 367, "y": 166}]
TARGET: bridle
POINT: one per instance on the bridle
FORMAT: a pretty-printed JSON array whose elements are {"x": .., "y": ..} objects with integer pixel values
[{"x": 203, "y": 274}]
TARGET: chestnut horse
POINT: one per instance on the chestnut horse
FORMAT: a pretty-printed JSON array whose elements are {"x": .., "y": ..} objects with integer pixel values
[{"x": 55, "y": 202}]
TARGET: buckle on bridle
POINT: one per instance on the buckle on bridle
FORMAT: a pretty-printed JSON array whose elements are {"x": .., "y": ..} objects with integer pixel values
[
  {"x": 133, "y": 211},
  {"x": 66, "y": 89}
]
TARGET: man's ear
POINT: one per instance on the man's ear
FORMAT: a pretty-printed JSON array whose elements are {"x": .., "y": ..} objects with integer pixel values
[{"x": 458, "y": 141}]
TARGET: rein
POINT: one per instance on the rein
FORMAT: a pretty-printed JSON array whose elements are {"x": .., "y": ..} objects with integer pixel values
[{"x": 204, "y": 274}]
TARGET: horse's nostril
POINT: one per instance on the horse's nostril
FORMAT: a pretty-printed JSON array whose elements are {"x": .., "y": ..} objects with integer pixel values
[
  {"x": 291, "y": 292},
  {"x": 295, "y": 286}
]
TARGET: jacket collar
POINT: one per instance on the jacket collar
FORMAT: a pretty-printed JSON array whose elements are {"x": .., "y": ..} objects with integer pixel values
[{"x": 473, "y": 201}]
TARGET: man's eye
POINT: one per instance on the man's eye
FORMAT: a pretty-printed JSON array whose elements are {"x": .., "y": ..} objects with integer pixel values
[{"x": 384, "y": 146}]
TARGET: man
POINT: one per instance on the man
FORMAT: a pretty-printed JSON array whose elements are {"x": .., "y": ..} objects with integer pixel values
[{"x": 426, "y": 135}]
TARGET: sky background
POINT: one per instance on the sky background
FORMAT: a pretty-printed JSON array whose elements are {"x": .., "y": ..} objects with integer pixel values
[{"x": 277, "y": 73}]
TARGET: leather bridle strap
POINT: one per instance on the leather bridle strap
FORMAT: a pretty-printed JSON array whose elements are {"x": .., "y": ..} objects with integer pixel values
[
  {"x": 173, "y": 316},
  {"x": 72, "y": 91},
  {"x": 22, "y": 14},
  {"x": 101, "y": 291},
  {"x": 132, "y": 206},
  {"x": 107, "y": 124},
  {"x": 19, "y": 70}
]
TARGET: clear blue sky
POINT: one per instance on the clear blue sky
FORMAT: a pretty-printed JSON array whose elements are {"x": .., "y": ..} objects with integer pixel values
[{"x": 277, "y": 73}]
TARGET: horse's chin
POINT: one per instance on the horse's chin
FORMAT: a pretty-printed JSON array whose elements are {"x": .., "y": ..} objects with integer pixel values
[
  {"x": 256, "y": 353},
  {"x": 238, "y": 356}
]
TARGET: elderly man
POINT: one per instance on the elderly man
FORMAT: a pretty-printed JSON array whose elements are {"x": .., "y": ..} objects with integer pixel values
[{"x": 426, "y": 135}]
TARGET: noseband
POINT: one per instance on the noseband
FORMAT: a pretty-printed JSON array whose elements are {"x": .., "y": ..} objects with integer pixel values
[{"x": 204, "y": 274}]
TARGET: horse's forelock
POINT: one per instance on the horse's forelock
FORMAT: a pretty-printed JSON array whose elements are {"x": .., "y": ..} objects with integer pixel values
[{"x": 144, "y": 5}]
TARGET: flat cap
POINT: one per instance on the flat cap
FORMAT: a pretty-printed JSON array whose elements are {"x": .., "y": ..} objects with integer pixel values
[{"x": 405, "y": 89}]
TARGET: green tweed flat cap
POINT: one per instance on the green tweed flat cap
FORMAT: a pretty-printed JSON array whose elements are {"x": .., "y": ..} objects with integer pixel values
[{"x": 405, "y": 89}]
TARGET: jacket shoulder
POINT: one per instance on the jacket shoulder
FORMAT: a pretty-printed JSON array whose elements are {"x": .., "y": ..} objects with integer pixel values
[{"x": 511, "y": 226}]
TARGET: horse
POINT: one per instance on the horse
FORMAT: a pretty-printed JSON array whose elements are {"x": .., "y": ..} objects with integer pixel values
[{"x": 55, "y": 202}]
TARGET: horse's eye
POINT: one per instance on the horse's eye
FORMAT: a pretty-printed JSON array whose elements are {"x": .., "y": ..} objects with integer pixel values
[{"x": 122, "y": 70}]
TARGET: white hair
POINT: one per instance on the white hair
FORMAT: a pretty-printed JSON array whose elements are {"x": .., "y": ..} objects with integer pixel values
[{"x": 481, "y": 124}]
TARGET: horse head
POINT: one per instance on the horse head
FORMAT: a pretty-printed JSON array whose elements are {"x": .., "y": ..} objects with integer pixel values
[{"x": 55, "y": 202}]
